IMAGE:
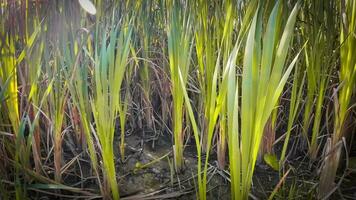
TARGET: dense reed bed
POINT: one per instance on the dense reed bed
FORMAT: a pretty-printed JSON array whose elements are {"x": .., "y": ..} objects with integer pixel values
[{"x": 176, "y": 99}]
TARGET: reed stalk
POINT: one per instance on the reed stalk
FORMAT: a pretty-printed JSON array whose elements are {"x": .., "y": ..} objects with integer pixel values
[
  {"x": 342, "y": 101},
  {"x": 179, "y": 36},
  {"x": 262, "y": 82},
  {"x": 109, "y": 70}
]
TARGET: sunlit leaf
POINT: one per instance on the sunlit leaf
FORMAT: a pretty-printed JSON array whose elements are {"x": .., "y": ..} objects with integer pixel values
[{"x": 272, "y": 161}]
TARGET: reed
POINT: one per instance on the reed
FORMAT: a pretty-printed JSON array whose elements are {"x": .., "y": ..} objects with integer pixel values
[
  {"x": 79, "y": 87},
  {"x": 342, "y": 98},
  {"x": 109, "y": 70},
  {"x": 294, "y": 107},
  {"x": 79, "y": 67},
  {"x": 34, "y": 60},
  {"x": 206, "y": 47},
  {"x": 179, "y": 36},
  {"x": 216, "y": 107},
  {"x": 145, "y": 22},
  {"x": 213, "y": 35},
  {"x": 8, "y": 74},
  {"x": 262, "y": 82},
  {"x": 320, "y": 32}
]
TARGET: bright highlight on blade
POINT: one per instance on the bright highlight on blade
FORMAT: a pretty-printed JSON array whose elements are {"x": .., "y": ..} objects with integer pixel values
[{"x": 88, "y": 6}]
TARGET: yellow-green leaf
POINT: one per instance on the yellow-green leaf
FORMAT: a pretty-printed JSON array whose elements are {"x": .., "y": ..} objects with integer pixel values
[{"x": 272, "y": 161}]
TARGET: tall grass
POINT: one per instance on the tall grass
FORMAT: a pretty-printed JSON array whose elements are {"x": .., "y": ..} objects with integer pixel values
[
  {"x": 227, "y": 20},
  {"x": 57, "y": 105},
  {"x": 179, "y": 36},
  {"x": 71, "y": 73},
  {"x": 213, "y": 89},
  {"x": 8, "y": 72},
  {"x": 263, "y": 80},
  {"x": 10, "y": 111},
  {"x": 79, "y": 89},
  {"x": 12, "y": 74},
  {"x": 294, "y": 107},
  {"x": 109, "y": 70},
  {"x": 34, "y": 60},
  {"x": 213, "y": 36},
  {"x": 219, "y": 98},
  {"x": 206, "y": 47},
  {"x": 320, "y": 32},
  {"x": 342, "y": 97},
  {"x": 145, "y": 21}
]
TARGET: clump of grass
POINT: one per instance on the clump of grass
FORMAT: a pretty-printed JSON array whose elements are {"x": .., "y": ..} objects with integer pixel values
[
  {"x": 320, "y": 32},
  {"x": 262, "y": 82},
  {"x": 57, "y": 104},
  {"x": 213, "y": 36},
  {"x": 145, "y": 22},
  {"x": 206, "y": 47},
  {"x": 11, "y": 76},
  {"x": 79, "y": 90},
  {"x": 109, "y": 70},
  {"x": 342, "y": 98},
  {"x": 34, "y": 60},
  {"x": 8, "y": 73},
  {"x": 179, "y": 36},
  {"x": 86, "y": 71},
  {"x": 216, "y": 108}
]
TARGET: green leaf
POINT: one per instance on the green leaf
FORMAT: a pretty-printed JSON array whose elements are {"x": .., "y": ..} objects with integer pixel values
[{"x": 272, "y": 161}]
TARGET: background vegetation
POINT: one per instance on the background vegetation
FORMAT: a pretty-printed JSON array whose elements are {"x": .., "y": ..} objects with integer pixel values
[{"x": 254, "y": 85}]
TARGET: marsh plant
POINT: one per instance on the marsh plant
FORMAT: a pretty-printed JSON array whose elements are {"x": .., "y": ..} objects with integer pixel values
[
  {"x": 179, "y": 50},
  {"x": 109, "y": 71},
  {"x": 90, "y": 90}
]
